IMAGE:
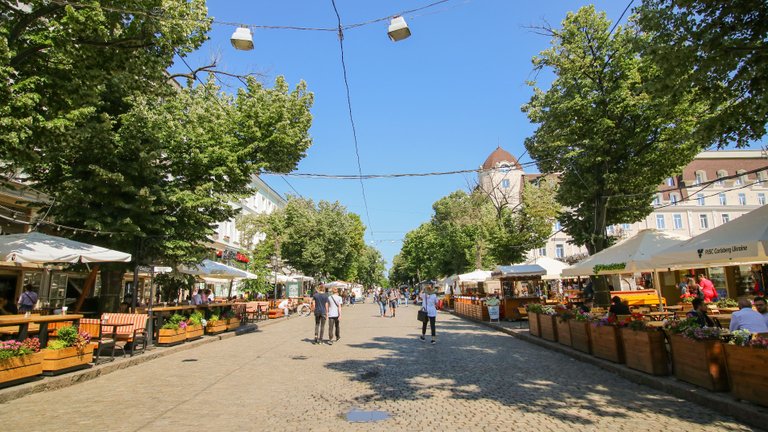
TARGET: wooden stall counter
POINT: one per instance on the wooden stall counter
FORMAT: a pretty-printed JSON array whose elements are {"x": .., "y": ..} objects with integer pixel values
[
  {"x": 640, "y": 297},
  {"x": 510, "y": 305},
  {"x": 471, "y": 307}
]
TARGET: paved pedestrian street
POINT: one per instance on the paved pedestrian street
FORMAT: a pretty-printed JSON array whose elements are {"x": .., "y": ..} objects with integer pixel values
[{"x": 474, "y": 379}]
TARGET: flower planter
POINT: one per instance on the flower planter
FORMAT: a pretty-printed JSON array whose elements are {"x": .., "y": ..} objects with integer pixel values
[
  {"x": 194, "y": 332},
  {"x": 66, "y": 360},
  {"x": 167, "y": 337},
  {"x": 216, "y": 327},
  {"x": 548, "y": 327},
  {"x": 15, "y": 369},
  {"x": 563, "y": 331},
  {"x": 606, "y": 343},
  {"x": 700, "y": 363},
  {"x": 644, "y": 350},
  {"x": 581, "y": 338},
  {"x": 233, "y": 323},
  {"x": 533, "y": 324},
  {"x": 728, "y": 310},
  {"x": 747, "y": 373}
]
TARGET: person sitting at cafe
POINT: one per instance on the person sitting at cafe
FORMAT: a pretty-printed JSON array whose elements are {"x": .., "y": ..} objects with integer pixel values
[
  {"x": 285, "y": 305},
  {"x": 747, "y": 319},
  {"x": 761, "y": 307},
  {"x": 197, "y": 298},
  {"x": 586, "y": 307},
  {"x": 699, "y": 312},
  {"x": 618, "y": 307}
]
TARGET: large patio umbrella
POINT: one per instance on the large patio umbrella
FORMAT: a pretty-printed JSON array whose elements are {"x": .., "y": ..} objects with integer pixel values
[
  {"x": 743, "y": 240},
  {"x": 632, "y": 255},
  {"x": 41, "y": 248},
  {"x": 217, "y": 270}
]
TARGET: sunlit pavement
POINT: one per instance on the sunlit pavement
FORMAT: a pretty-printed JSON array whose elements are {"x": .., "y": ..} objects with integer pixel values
[{"x": 474, "y": 378}]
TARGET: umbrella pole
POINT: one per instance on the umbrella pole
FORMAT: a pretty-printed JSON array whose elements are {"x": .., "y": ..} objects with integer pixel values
[
  {"x": 657, "y": 284},
  {"x": 229, "y": 294}
]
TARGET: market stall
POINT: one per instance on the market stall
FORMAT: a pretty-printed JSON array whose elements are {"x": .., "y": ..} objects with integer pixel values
[{"x": 520, "y": 284}]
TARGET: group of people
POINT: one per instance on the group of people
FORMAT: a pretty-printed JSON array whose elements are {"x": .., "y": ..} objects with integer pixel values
[
  {"x": 746, "y": 318},
  {"x": 201, "y": 296},
  {"x": 388, "y": 299},
  {"x": 327, "y": 307},
  {"x": 703, "y": 288}
]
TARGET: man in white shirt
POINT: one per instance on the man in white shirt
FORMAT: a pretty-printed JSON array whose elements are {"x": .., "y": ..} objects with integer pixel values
[
  {"x": 747, "y": 319},
  {"x": 285, "y": 305},
  {"x": 334, "y": 312}
]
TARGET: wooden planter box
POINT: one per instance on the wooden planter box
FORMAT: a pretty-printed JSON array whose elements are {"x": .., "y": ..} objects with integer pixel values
[
  {"x": 66, "y": 360},
  {"x": 233, "y": 323},
  {"x": 166, "y": 337},
  {"x": 563, "y": 331},
  {"x": 747, "y": 373},
  {"x": 548, "y": 327},
  {"x": 645, "y": 350},
  {"x": 533, "y": 324},
  {"x": 194, "y": 332},
  {"x": 700, "y": 363},
  {"x": 581, "y": 338},
  {"x": 216, "y": 327},
  {"x": 606, "y": 343},
  {"x": 18, "y": 368}
]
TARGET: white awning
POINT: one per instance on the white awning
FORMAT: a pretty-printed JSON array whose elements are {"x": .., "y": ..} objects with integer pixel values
[
  {"x": 217, "y": 270},
  {"x": 36, "y": 247}
]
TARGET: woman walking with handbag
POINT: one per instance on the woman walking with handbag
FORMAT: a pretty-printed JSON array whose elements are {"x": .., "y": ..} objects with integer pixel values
[{"x": 429, "y": 305}]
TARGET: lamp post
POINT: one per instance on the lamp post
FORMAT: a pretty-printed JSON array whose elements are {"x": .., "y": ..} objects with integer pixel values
[{"x": 275, "y": 262}]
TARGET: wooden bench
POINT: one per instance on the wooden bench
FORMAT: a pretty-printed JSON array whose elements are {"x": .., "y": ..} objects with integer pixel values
[
  {"x": 134, "y": 335},
  {"x": 275, "y": 313},
  {"x": 103, "y": 341}
]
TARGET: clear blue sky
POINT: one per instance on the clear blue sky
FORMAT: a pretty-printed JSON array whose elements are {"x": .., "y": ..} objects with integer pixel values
[{"x": 441, "y": 100}]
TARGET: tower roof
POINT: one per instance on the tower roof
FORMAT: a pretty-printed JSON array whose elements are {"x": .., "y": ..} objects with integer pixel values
[{"x": 500, "y": 156}]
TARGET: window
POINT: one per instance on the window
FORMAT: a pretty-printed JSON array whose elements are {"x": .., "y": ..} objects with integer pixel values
[
  {"x": 678, "y": 221},
  {"x": 741, "y": 179},
  {"x": 505, "y": 183},
  {"x": 656, "y": 200},
  {"x": 762, "y": 176},
  {"x": 742, "y": 199},
  {"x": 542, "y": 251},
  {"x": 720, "y": 175},
  {"x": 557, "y": 226},
  {"x": 700, "y": 178},
  {"x": 673, "y": 198},
  {"x": 670, "y": 181},
  {"x": 761, "y": 198},
  {"x": 726, "y": 218},
  {"x": 626, "y": 227},
  {"x": 660, "y": 222},
  {"x": 723, "y": 200},
  {"x": 559, "y": 251},
  {"x": 700, "y": 199},
  {"x": 703, "y": 222}
]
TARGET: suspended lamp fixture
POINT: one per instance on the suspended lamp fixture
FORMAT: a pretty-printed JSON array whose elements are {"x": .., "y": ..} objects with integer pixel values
[
  {"x": 242, "y": 39},
  {"x": 398, "y": 29}
]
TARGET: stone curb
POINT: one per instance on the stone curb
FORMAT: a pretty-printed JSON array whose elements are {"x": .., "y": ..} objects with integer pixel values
[
  {"x": 744, "y": 412},
  {"x": 57, "y": 382}
]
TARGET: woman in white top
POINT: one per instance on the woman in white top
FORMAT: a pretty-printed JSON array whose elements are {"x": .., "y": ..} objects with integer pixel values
[
  {"x": 334, "y": 312},
  {"x": 429, "y": 304}
]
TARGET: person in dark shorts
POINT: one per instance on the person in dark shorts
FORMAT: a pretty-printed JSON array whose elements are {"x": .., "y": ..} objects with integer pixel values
[{"x": 320, "y": 306}]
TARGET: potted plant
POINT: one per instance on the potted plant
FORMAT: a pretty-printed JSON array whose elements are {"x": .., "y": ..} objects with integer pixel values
[
  {"x": 215, "y": 325},
  {"x": 564, "y": 315},
  {"x": 581, "y": 338},
  {"x": 534, "y": 310},
  {"x": 20, "y": 360},
  {"x": 173, "y": 332},
  {"x": 232, "y": 319},
  {"x": 194, "y": 328},
  {"x": 727, "y": 305},
  {"x": 606, "y": 339},
  {"x": 71, "y": 350},
  {"x": 686, "y": 301},
  {"x": 746, "y": 356},
  {"x": 697, "y": 354},
  {"x": 644, "y": 347},
  {"x": 547, "y": 324}
]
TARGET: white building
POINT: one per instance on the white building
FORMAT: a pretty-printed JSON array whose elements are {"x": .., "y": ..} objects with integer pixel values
[{"x": 717, "y": 186}]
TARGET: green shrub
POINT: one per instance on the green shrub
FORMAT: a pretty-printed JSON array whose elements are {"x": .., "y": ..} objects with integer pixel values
[{"x": 196, "y": 318}]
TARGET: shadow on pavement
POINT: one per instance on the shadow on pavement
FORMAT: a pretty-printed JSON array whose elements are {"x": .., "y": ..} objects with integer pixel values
[{"x": 470, "y": 362}]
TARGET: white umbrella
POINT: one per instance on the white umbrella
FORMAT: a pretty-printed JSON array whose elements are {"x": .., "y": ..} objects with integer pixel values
[
  {"x": 217, "y": 270},
  {"x": 475, "y": 276},
  {"x": 741, "y": 241},
  {"x": 36, "y": 247},
  {"x": 553, "y": 267},
  {"x": 630, "y": 256}
]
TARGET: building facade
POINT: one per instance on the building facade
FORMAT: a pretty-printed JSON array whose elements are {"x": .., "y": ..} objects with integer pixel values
[{"x": 716, "y": 187}]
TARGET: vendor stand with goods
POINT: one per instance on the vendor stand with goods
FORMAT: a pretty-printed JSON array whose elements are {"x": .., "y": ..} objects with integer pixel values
[{"x": 519, "y": 285}]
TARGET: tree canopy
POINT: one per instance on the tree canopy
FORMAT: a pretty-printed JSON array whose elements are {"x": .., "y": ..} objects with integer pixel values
[
  {"x": 719, "y": 48},
  {"x": 611, "y": 142}
]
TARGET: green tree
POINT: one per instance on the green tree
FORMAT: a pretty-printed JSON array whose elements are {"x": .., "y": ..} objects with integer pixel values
[
  {"x": 371, "y": 268},
  {"x": 611, "y": 142},
  {"x": 719, "y": 48}
]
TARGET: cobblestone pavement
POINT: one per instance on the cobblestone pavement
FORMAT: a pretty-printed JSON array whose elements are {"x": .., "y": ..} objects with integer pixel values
[{"x": 474, "y": 379}]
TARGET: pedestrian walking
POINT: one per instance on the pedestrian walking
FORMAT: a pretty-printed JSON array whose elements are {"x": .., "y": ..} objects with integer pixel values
[
  {"x": 334, "y": 313},
  {"x": 382, "y": 298},
  {"x": 320, "y": 306},
  {"x": 393, "y": 299},
  {"x": 429, "y": 304}
]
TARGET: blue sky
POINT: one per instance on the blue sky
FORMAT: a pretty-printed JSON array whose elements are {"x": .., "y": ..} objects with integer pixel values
[{"x": 441, "y": 100}]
